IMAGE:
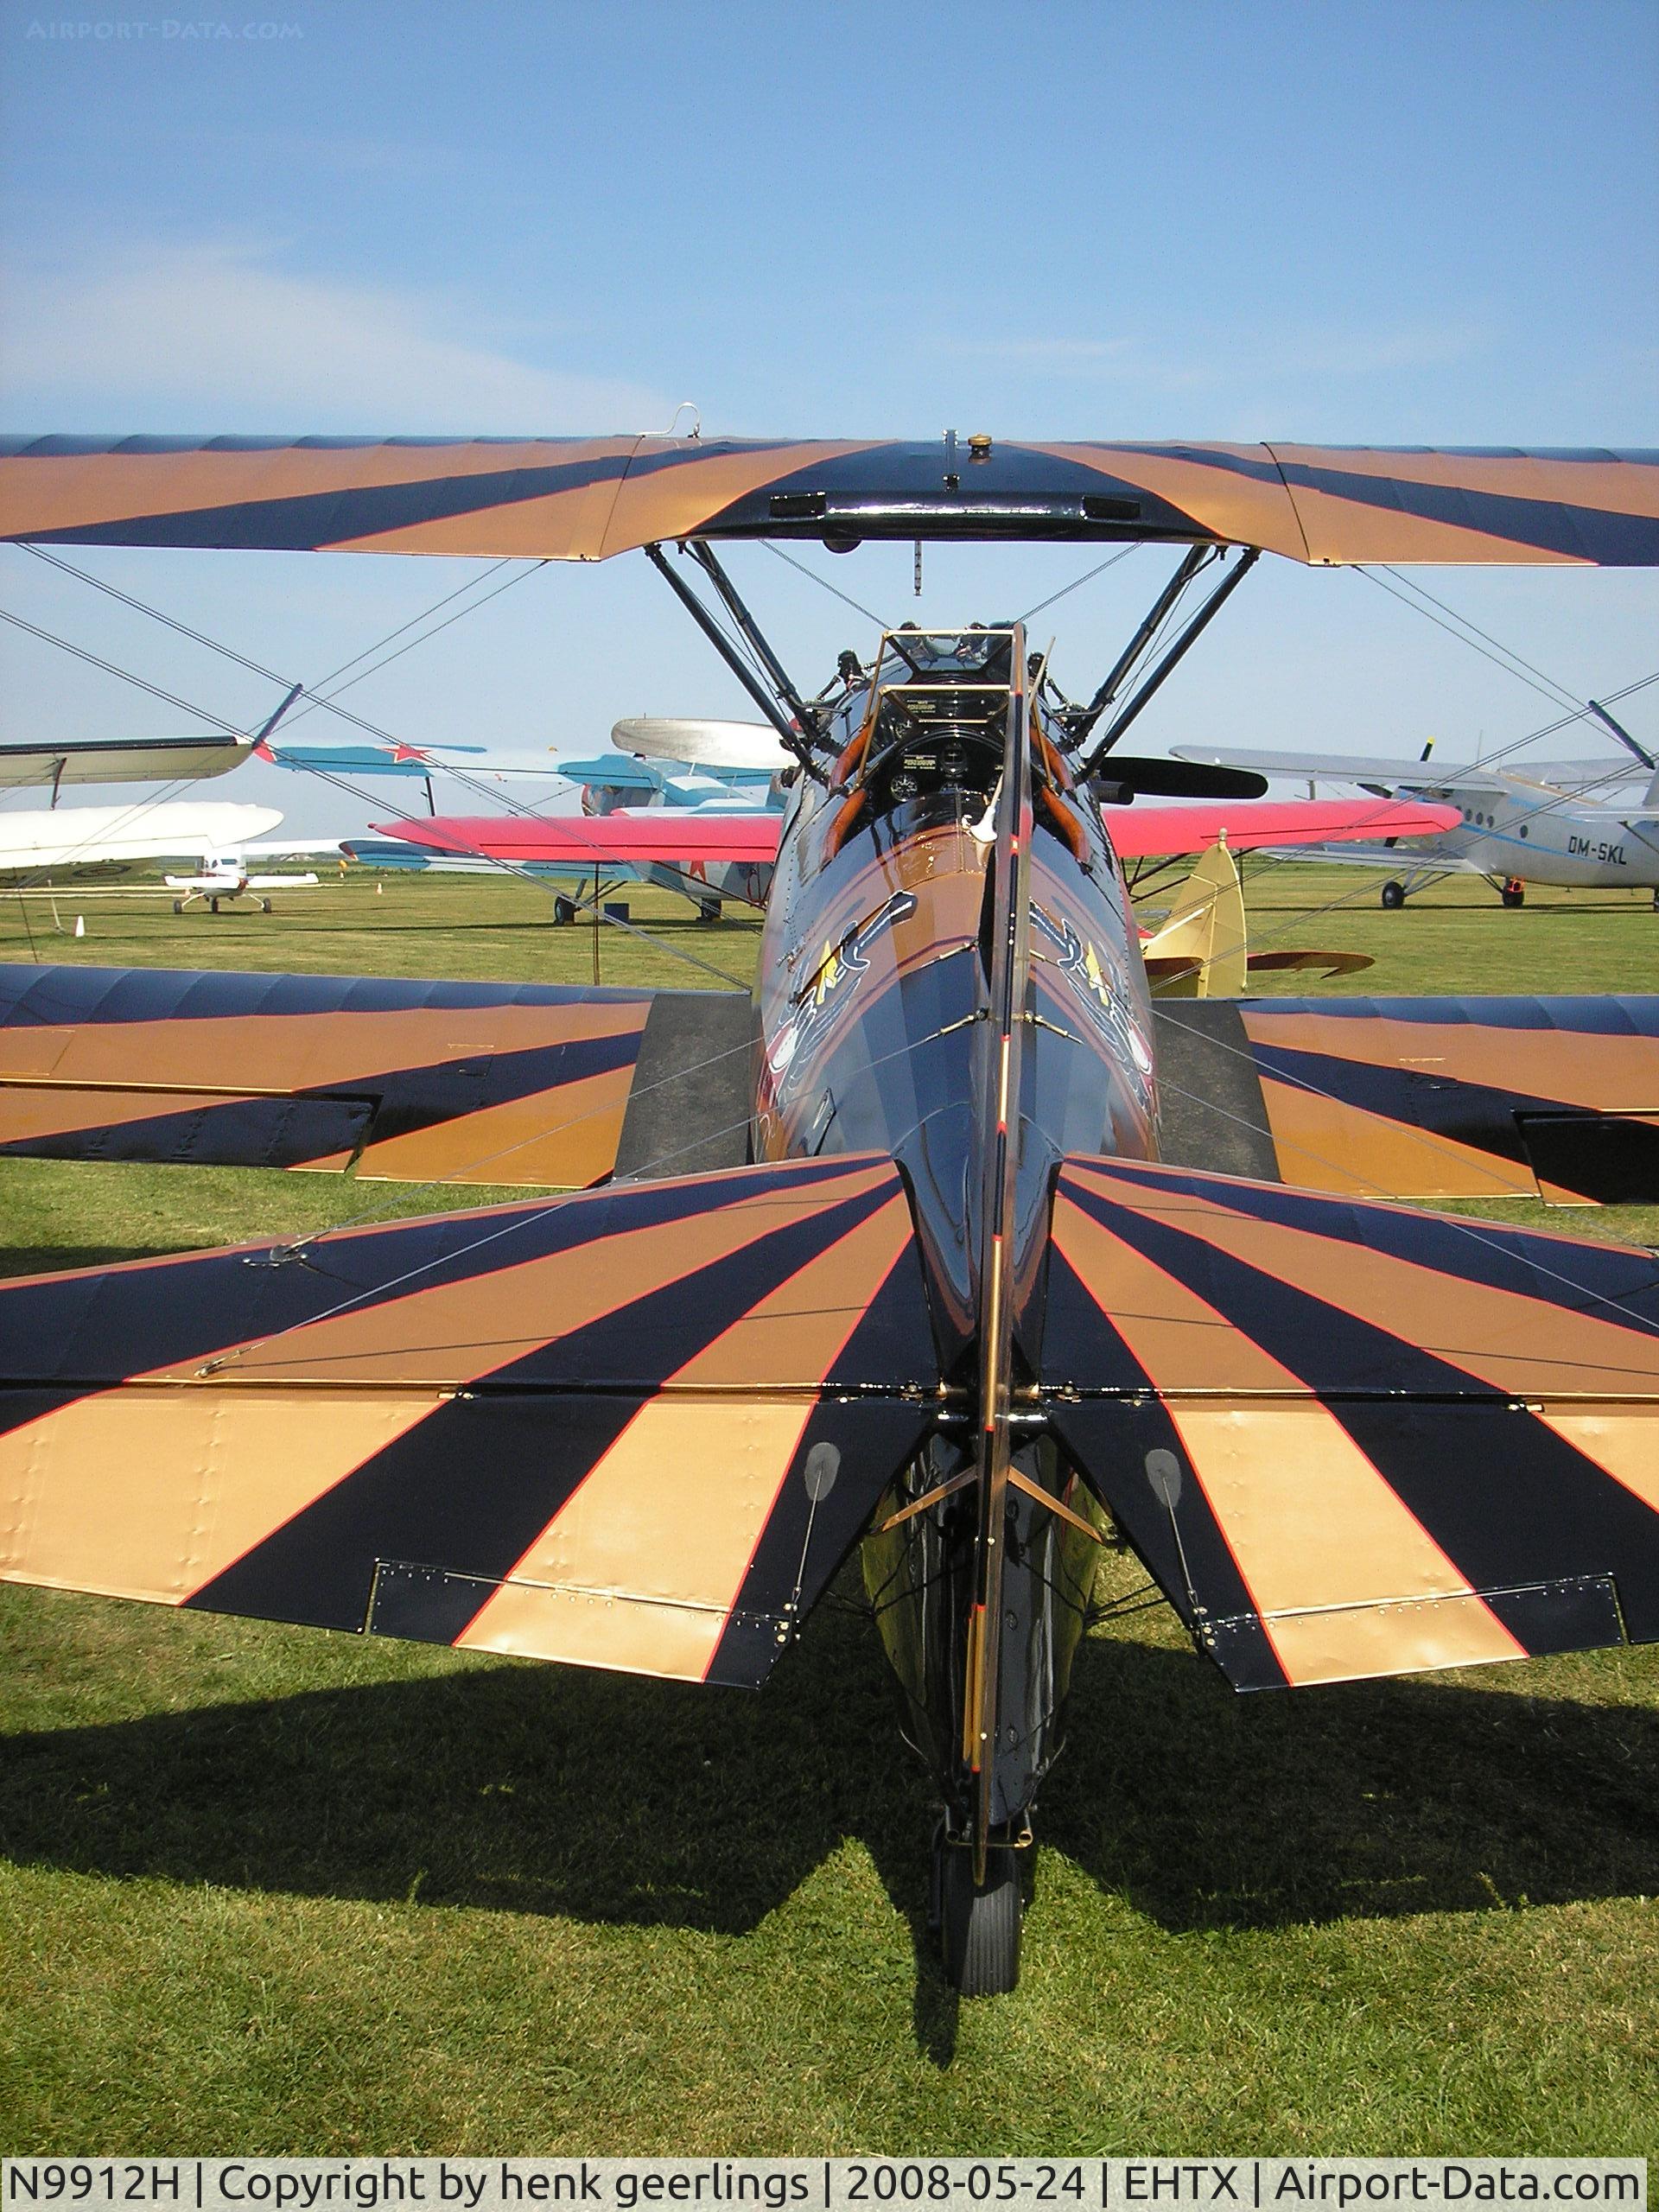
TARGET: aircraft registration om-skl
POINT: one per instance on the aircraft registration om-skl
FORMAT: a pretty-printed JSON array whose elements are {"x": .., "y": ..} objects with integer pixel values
[{"x": 951, "y": 1246}]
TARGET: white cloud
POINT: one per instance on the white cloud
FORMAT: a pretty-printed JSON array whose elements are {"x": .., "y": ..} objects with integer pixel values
[{"x": 217, "y": 335}]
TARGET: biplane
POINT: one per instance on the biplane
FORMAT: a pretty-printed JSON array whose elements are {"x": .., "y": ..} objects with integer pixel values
[{"x": 948, "y": 1246}]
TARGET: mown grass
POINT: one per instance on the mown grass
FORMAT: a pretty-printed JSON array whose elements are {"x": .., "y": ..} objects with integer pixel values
[{"x": 267, "y": 1890}]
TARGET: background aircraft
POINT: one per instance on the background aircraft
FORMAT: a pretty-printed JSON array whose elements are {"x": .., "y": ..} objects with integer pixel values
[
  {"x": 69, "y": 843},
  {"x": 948, "y": 1245},
  {"x": 225, "y": 877},
  {"x": 1581, "y": 826},
  {"x": 119, "y": 760}
]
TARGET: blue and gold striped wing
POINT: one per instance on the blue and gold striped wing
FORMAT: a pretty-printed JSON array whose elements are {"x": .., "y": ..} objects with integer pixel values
[
  {"x": 637, "y": 1429},
  {"x": 1353, "y": 1439}
]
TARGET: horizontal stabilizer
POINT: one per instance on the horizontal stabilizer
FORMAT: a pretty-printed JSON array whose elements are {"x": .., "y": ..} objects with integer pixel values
[
  {"x": 1356, "y": 1440},
  {"x": 636, "y": 1429}
]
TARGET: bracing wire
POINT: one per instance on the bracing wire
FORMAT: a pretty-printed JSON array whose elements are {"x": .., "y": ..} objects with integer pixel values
[
  {"x": 1077, "y": 583},
  {"x": 824, "y": 584}
]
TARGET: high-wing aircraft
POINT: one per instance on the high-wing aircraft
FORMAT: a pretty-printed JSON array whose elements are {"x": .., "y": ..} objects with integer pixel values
[
  {"x": 24, "y": 763},
  {"x": 951, "y": 1246},
  {"x": 1575, "y": 828},
  {"x": 225, "y": 877}
]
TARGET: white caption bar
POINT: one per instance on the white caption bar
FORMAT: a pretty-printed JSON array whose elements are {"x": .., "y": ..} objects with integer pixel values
[{"x": 813, "y": 2184}]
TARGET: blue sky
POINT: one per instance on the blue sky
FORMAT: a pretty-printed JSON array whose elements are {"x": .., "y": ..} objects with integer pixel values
[{"x": 1338, "y": 221}]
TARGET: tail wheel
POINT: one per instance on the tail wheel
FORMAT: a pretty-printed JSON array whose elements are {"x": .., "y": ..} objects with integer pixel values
[
  {"x": 1394, "y": 894},
  {"x": 979, "y": 1926}
]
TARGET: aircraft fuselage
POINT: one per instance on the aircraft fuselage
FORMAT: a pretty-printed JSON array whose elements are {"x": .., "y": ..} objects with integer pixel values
[{"x": 877, "y": 1033}]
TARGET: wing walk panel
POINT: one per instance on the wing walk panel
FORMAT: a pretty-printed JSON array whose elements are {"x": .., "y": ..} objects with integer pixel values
[
  {"x": 1419, "y": 1444},
  {"x": 598, "y": 1453}
]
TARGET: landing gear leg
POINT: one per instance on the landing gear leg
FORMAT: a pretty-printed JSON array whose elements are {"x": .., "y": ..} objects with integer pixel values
[
  {"x": 1394, "y": 894},
  {"x": 978, "y": 1924}
]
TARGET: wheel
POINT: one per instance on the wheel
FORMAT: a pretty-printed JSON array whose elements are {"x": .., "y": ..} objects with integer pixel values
[
  {"x": 265, "y": 906},
  {"x": 178, "y": 905},
  {"x": 1514, "y": 894},
  {"x": 979, "y": 1927},
  {"x": 213, "y": 906},
  {"x": 564, "y": 910},
  {"x": 1394, "y": 894}
]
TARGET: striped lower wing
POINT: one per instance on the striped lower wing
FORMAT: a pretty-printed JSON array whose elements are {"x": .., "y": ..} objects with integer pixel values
[
  {"x": 1356, "y": 1440},
  {"x": 636, "y": 1429},
  {"x": 466, "y": 1082},
  {"x": 1555, "y": 1098}
]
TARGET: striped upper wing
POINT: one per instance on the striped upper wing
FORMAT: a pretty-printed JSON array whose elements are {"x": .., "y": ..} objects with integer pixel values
[
  {"x": 1356, "y": 1440},
  {"x": 472, "y": 1083},
  {"x": 586, "y": 498},
  {"x": 1421, "y": 1098},
  {"x": 636, "y": 1429}
]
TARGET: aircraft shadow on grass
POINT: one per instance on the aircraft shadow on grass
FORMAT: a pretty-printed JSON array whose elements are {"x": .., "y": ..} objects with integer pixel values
[{"x": 612, "y": 1799}]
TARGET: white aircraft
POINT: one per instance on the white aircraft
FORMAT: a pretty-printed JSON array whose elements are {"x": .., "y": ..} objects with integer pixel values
[
  {"x": 56, "y": 761},
  {"x": 67, "y": 842},
  {"x": 119, "y": 760},
  {"x": 227, "y": 875},
  {"x": 211, "y": 845},
  {"x": 1579, "y": 825}
]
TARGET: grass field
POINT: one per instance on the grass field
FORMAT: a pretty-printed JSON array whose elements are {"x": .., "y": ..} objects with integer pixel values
[{"x": 267, "y": 1890}]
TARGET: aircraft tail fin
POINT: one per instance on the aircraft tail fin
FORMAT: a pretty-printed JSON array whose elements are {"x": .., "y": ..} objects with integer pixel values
[{"x": 1201, "y": 951}]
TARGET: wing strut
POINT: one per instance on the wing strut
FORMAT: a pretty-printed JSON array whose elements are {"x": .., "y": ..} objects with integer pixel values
[
  {"x": 1189, "y": 637},
  {"x": 796, "y": 734}
]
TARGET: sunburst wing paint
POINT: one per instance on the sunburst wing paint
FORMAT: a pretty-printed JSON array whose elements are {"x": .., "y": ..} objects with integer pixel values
[
  {"x": 1426, "y": 1098},
  {"x": 586, "y": 498},
  {"x": 637, "y": 1429},
  {"x": 469, "y": 1083},
  {"x": 1353, "y": 1440}
]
